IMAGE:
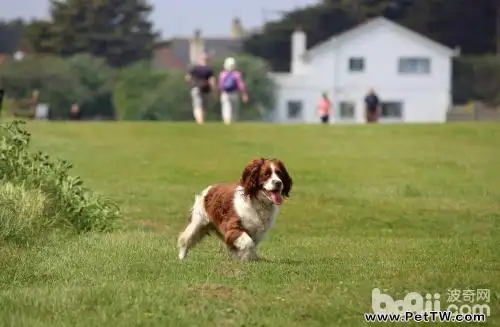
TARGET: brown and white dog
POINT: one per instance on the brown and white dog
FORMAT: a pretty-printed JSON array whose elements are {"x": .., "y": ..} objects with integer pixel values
[{"x": 240, "y": 214}]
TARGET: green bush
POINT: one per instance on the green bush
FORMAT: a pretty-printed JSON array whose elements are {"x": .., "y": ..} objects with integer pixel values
[
  {"x": 477, "y": 78},
  {"x": 97, "y": 78},
  {"x": 81, "y": 79},
  {"x": 134, "y": 84},
  {"x": 39, "y": 195},
  {"x": 170, "y": 100},
  {"x": 53, "y": 76}
]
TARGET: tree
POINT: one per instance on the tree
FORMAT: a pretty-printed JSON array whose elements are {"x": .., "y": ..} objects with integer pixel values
[
  {"x": 363, "y": 9},
  {"x": 320, "y": 22},
  {"x": 455, "y": 23},
  {"x": 10, "y": 33},
  {"x": 478, "y": 79},
  {"x": 98, "y": 79},
  {"x": 37, "y": 38},
  {"x": 118, "y": 30}
]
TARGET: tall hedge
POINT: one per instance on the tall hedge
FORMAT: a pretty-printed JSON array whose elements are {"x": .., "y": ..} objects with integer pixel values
[{"x": 477, "y": 79}]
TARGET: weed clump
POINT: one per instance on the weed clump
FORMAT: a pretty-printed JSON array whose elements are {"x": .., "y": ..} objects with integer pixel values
[{"x": 38, "y": 196}]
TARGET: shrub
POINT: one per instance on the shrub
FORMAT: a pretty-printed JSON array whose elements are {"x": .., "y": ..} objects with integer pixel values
[
  {"x": 39, "y": 195},
  {"x": 477, "y": 78},
  {"x": 134, "y": 85},
  {"x": 81, "y": 79},
  {"x": 52, "y": 76},
  {"x": 21, "y": 212},
  {"x": 98, "y": 79}
]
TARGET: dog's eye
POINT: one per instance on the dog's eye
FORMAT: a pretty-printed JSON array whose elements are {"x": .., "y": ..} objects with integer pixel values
[{"x": 267, "y": 173}]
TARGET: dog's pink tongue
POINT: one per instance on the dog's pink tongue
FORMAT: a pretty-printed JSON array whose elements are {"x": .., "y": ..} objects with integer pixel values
[{"x": 276, "y": 197}]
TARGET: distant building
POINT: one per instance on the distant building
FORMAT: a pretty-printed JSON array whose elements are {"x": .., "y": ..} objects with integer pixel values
[
  {"x": 410, "y": 73},
  {"x": 180, "y": 52}
]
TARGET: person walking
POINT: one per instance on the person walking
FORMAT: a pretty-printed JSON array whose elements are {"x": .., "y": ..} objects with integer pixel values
[
  {"x": 232, "y": 86},
  {"x": 202, "y": 79},
  {"x": 324, "y": 108},
  {"x": 372, "y": 106}
]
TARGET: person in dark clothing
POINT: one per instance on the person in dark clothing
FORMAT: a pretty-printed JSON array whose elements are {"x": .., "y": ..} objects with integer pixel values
[
  {"x": 202, "y": 79},
  {"x": 372, "y": 106}
]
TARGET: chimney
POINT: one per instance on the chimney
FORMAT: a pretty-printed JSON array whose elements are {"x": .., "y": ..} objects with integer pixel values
[
  {"x": 298, "y": 51},
  {"x": 237, "y": 30},
  {"x": 196, "y": 47}
]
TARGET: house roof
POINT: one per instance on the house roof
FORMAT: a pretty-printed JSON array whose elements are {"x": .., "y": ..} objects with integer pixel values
[
  {"x": 178, "y": 50},
  {"x": 164, "y": 58},
  {"x": 371, "y": 24}
]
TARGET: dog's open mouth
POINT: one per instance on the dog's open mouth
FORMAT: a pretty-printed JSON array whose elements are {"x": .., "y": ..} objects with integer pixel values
[{"x": 275, "y": 196}]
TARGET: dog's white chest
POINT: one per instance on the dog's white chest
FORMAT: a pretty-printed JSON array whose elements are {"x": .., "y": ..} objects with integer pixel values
[{"x": 256, "y": 218}]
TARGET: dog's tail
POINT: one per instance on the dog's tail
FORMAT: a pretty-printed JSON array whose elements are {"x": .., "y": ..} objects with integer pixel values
[{"x": 197, "y": 203}]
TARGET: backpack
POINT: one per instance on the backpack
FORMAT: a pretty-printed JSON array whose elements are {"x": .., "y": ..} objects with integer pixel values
[{"x": 229, "y": 82}]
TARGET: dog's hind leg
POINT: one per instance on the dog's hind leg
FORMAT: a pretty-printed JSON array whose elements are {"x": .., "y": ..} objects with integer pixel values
[
  {"x": 196, "y": 230},
  {"x": 192, "y": 235}
]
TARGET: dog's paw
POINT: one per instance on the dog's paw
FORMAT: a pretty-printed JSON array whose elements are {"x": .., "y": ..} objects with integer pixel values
[{"x": 182, "y": 254}]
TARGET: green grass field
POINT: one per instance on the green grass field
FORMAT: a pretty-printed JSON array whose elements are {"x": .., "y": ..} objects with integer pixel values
[{"x": 401, "y": 208}]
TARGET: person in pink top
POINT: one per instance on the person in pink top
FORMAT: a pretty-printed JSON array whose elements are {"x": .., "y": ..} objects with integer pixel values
[
  {"x": 324, "y": 108},
  {"x": 232, "y": 87}
]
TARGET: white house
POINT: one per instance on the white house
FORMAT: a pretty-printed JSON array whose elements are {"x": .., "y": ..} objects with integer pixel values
[{"x": 410, "y": 73}]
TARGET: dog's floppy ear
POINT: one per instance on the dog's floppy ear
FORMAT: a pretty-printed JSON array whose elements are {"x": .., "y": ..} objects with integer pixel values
[
  {"x": 250, "y": 177},
  {"x": 285, "y": 178}
]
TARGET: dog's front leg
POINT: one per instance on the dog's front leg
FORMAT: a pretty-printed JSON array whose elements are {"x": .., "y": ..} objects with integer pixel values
[
  {"x": 243, "y": 247},
  {"x": 237, "y": 254},
  {"x": 250, "y": 255}
]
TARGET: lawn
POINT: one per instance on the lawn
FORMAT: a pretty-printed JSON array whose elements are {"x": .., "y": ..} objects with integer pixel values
[{"x": 401, "y": 208}]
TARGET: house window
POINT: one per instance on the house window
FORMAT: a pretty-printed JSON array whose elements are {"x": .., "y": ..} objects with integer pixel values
[
  {"x": 356, "y": 64},
  {"x": 392, "y": 110},
  {"x": 346, "y": 110},
  {"x": 294, "y": 109},
  {"x": 414, "y": 66}
]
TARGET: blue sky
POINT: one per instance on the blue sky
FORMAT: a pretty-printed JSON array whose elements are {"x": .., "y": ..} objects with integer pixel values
[{"x": 180, "y": 17}]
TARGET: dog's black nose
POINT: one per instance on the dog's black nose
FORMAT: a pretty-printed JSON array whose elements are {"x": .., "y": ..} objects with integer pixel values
[{"x": 278, "y": 183}]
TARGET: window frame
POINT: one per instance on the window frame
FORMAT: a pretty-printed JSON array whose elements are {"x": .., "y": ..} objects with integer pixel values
[
  {"x": 404, "y": 69},
  {"x": 351, "y": 66}
]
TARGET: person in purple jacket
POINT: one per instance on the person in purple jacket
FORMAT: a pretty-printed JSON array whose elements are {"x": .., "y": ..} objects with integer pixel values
[{"x": 232, "y": 87}]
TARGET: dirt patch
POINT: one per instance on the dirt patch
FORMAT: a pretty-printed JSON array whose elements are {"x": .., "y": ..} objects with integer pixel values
[{"x": 214, "y": 291}]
